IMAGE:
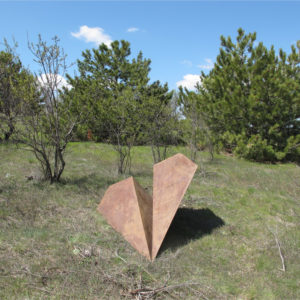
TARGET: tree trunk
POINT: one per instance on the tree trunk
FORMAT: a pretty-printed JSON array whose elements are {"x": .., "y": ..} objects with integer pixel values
[{"x": 8, "y": 134}]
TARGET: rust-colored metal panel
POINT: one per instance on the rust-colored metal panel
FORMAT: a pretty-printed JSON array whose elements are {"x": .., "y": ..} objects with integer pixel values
[
  {"x": 146, "y": 208},
  {"x": 144, "y": 221},
  {"x": 120, "y": 207},
  {"x": 171, "y": 179}
]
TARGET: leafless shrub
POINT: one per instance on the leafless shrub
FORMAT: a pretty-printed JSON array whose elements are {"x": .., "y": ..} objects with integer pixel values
[{"x": 46, "y": 125}]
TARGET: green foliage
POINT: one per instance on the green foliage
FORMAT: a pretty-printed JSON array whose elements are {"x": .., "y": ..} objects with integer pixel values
[
  {"x": 292, "y": 149},
  {"x": 110, "y": 85},
  {"x": 159, "y": 124},
  {"x": 197, "y": 133},
  {"x": 123, "y": 125},
  {"x": 12, "y": 77},
  {"x": 253, "y": 93},
  {"x": 104, "y": 73},
  {"x": 81, "y": 132},
  {"x": 123, "y": 108},
  {"x": 254, "y": 148}
]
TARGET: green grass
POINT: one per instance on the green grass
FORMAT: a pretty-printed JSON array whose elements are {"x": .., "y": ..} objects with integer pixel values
[{"x": 54, "y": 244}]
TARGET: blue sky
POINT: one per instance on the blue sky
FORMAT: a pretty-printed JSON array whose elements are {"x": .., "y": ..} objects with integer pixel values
[{"x": 180, "y": 37}]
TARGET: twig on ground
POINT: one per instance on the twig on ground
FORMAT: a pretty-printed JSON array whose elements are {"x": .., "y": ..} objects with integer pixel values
[
  {"x": 168, "y": 278},
  {"x": 280, "y": 253},
  {"x": 26, "y": 271},
  {"x": 17, "y": 222},
  {"x": 147, "y": 292},
  {"x": 38, "y": 288},
  {"x": 199, "y": 293},
  {"x": 117, "y": 255},
  {"x": 279, "y": 250}
]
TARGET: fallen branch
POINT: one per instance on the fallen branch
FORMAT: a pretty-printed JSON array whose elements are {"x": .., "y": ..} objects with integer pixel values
[
  {"x": 280, "y": 253},
  {"x": 30, "y": 285},
  {"x": 279, "y": 250},
  {"x": 152, "y": 292}
]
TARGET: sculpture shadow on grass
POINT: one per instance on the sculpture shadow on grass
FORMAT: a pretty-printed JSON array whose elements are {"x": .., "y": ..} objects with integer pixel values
[{"x": 190, "y": 224}]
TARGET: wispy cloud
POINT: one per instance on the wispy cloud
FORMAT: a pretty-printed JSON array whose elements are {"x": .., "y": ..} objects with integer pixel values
[
  {"x": 133, "y": 29},
  {"x": 92, "y": 35},
  {"x": 209, "y": 64},
  {"x": 189, "y": 81},
  {"x": 187, "y": 62},
  {"x": 53, "y": 79}
]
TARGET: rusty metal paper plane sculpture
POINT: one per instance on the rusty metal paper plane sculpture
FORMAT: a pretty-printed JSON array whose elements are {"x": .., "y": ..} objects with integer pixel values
[{"x": 142, "y": 220}]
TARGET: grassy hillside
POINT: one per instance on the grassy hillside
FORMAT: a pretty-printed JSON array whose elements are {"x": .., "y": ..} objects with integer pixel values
[{"x": 221, "y": 245}]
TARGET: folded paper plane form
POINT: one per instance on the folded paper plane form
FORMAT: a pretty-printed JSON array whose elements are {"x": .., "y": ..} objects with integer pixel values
[{"x": 142, "y": 220}]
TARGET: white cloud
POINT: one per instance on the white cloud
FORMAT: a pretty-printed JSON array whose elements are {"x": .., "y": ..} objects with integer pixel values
[
  {"x": 189, "y": 81},
  {"x": 133, "y": 29},
  {"x": 45, "y": 79},
  {"x": 209, "y": 64},
  {"x": 92, "y": 35},
  {"x": 187, "y": 63}
]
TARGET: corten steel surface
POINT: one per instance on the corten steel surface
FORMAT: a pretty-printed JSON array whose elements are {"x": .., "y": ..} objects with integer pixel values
[
  {"x": 128, "y": 209},
  {"x": 144, "y": 221},
  {"x": 171, "y": 179}
]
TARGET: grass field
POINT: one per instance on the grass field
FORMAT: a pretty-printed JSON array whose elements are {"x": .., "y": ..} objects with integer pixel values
[{"x": 223, "y": 243}]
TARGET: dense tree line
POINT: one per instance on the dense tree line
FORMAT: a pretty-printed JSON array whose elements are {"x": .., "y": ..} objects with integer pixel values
[
  {"x": 12, "y": 74},
  {"x": 250, "y": 100},
  {"x": 111, "y": 99},
  {"x": 248, "y": 104},
  {"x": 123, "y": 108}
]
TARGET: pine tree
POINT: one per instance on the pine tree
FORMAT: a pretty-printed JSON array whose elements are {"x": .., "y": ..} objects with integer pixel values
[
  {"x": 252, "y": 99},
  {"x": 110, "y": 84},
  {"x": 12, "y": 73}
]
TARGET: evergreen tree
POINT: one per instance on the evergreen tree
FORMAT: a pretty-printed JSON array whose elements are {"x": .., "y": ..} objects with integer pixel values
[
  {"x": 12, "y": 74},
  {"x": 197, "y": 133},
  {"x": 252, "y": 99},
  {"x": 159, "y": 123},
  {"x": 110, "y": 84}
]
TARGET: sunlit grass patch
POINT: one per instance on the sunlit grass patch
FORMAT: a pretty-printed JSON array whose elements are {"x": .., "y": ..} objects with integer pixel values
[{"x": 55, "y": 245}]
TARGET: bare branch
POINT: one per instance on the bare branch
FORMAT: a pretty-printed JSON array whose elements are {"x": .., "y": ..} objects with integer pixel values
[{"x": 279, "y": 250}]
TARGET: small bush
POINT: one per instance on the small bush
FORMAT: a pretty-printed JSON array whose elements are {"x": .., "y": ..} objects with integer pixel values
[
  {"x": 258, "y": 149},
  {"x": 292, "y": 149}
]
